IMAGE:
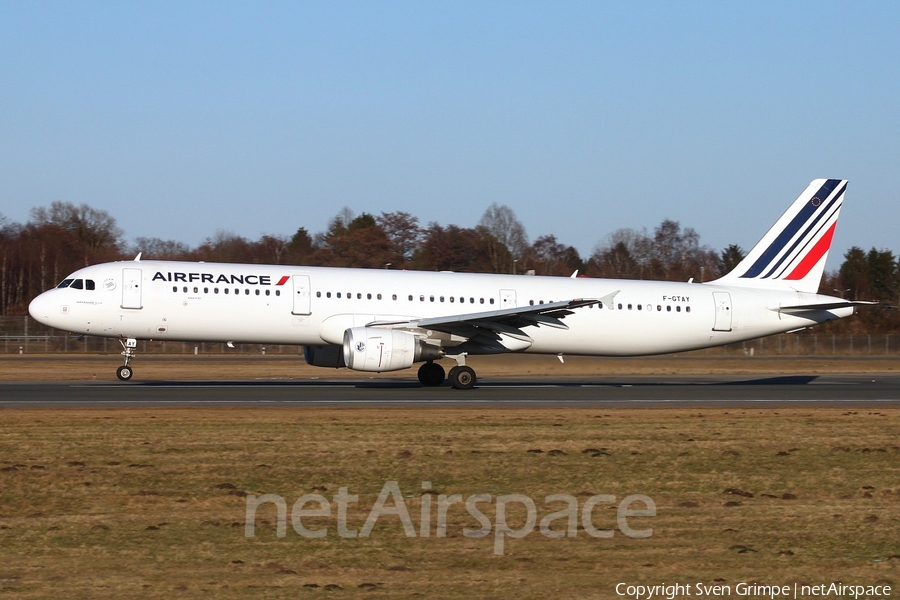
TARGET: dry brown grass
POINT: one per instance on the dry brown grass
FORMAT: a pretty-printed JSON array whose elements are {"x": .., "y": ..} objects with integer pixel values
[
  {"x": 105, "y": 503},
  {"x": 174, "y": 367}
]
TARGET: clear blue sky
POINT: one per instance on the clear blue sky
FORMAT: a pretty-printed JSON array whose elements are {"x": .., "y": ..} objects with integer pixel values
[{"x": 183, "y": 118}]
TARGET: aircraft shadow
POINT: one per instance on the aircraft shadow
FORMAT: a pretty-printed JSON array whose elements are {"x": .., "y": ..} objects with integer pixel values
[{"x": 535, "y": 382}]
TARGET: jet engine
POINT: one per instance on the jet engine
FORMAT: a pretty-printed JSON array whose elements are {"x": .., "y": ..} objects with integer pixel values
[
  {"x": 374, "y": 349},
  {"x": 325, "y": 356}
]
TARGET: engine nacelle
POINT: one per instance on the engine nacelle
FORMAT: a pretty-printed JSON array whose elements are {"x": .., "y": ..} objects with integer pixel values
[
  {"x": 325, "y": 356},
  {"x": 377, "y": 350}
]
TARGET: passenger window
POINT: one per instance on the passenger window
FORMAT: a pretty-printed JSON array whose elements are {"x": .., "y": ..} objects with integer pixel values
[
  {"x": 629, "y": 307},
  {"x": 205, "y": 290},
  {"x": 677, "y": 309},
  {"x": 531, "y": 302},
  {"x": 481, "y": 301},
  {"x": 410, "y": 297},
  {"x": 451, "y": 299},
  {"x": 668, "y": 309},
  {"x": 620, "y": 306},
  {"x": 277, "y": 292},
  {"x": 257, "y": 293},
  {"x": 66, "y": 283},
  {"x": 318, "y": 294},
  {"x": 659, "y": 308},
  {"x": 492, "y": 300},
  {"x": 639, "y": 307},
  {"x": 327, "y": 294},
  {"x": 599, "y": 305},
  {"x": 196, "y": 290},
  {"x": 246, "y": 292},
  {"x": 226, "y": 290},
  {"x": 184, "y": 289},
  {"x": 687, "y": 309},
  {"x": 89, "y": 284},
  {"x": 359, "y": 296},
  {"x": 174, "y": 288},
  {"x": 338, "y": 294},
  {"x": 394, "y": 297},
  {"x": 78, "y": 284},
  {"x": 268, "y": 292},
  {"x": 215, "y": 290},
  {"x": 378, "y": 297}
]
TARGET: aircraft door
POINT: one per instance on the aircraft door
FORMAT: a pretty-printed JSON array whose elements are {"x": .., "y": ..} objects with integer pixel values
[
  {"x": 507, "y": 298},
  {"x": 723, "y": 311},
  {"x": 131, "y": 288},
  {"x": 301, "y": 295}
]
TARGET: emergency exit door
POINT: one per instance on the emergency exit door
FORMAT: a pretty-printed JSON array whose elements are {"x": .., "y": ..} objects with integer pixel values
[
  {"x": 131, "y": 288},
  {"x": 301, "y": 295},
  {"x": 723, "y": 311}
]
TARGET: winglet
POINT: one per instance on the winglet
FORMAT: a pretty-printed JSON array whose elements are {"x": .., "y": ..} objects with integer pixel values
[{"x": 607, "y": 300}]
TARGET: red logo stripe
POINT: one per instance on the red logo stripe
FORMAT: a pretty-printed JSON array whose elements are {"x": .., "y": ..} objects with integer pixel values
[
  {"x": 283, "y": 280},
  {"x": 814, "y": 256}
]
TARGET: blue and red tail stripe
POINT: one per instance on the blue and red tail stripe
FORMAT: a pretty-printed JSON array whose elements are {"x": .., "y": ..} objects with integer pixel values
[{"x": 815, "y": 215}]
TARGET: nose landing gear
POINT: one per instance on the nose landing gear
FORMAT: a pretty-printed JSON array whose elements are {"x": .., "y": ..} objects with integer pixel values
[{"x": 128, "y": 345}]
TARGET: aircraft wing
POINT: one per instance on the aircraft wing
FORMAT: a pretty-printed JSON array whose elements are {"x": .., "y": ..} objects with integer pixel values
[{"x": 499, "y": 330}]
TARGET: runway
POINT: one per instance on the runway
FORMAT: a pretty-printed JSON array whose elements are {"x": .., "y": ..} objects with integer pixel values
[{"x": 619, "y": 392}]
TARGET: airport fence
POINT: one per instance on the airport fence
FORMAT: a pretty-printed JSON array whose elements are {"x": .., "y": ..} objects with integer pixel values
[{"x": 24, "y": 335}]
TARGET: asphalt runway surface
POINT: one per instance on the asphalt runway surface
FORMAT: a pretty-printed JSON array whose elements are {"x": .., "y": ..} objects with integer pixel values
[{"x": 609, "y": 392}]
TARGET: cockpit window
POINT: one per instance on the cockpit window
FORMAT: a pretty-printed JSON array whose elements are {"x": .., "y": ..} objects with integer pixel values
[
  {"x": 65, "y": 283},
  {"x": 89, "y": 284},
  {"x": 78, "y": 284}
]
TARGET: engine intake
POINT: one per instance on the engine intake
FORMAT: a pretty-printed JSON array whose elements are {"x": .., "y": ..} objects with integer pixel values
[{"x": 378, "y": 350}]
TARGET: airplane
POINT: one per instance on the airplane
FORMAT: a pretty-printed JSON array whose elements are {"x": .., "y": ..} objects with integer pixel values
[{"x": 382, "y": 320}]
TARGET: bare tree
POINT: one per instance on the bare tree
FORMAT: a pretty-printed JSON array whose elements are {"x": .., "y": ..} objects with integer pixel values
[
  {"x": 506, "y": 238},
  {"x": 159, "y": 249},
  {"x": 95, "y": 230}
]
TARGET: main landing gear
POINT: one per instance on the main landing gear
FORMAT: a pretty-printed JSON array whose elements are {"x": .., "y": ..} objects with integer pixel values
[
  {"x": 461, "y": 377},
  {"x": 128, "y": 345},
  {"x": 431, "y": 374}
]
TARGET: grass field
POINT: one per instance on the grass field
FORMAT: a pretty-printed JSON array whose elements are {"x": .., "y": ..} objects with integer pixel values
[{"x": 98, "y": 503}]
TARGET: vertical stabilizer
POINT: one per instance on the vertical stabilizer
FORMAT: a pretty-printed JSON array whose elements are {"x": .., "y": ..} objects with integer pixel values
[{"x": 792, "y": 254}]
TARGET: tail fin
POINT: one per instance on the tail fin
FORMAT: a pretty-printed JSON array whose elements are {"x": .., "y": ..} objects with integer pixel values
[{"x": 792, "y": 254}]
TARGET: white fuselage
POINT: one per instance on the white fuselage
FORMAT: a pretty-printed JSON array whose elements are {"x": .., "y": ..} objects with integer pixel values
[{"x": 272, "y": 304}]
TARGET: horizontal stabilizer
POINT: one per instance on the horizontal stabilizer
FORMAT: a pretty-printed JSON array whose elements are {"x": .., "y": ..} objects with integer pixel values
[{"x": 799, "y": 308}]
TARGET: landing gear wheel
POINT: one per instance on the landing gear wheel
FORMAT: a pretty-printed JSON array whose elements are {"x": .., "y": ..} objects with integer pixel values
[
  {"x": 431, "y": 374},
  {"x": 124, "y": 373},
  {"x": 462, "y": 377}
]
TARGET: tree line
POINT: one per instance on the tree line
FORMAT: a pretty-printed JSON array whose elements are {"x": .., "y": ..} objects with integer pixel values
[{"x": 63, "y": 237}]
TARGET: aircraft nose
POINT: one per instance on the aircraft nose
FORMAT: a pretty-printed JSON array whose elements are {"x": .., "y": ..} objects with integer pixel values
[{"x": 41, "y": 308}]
